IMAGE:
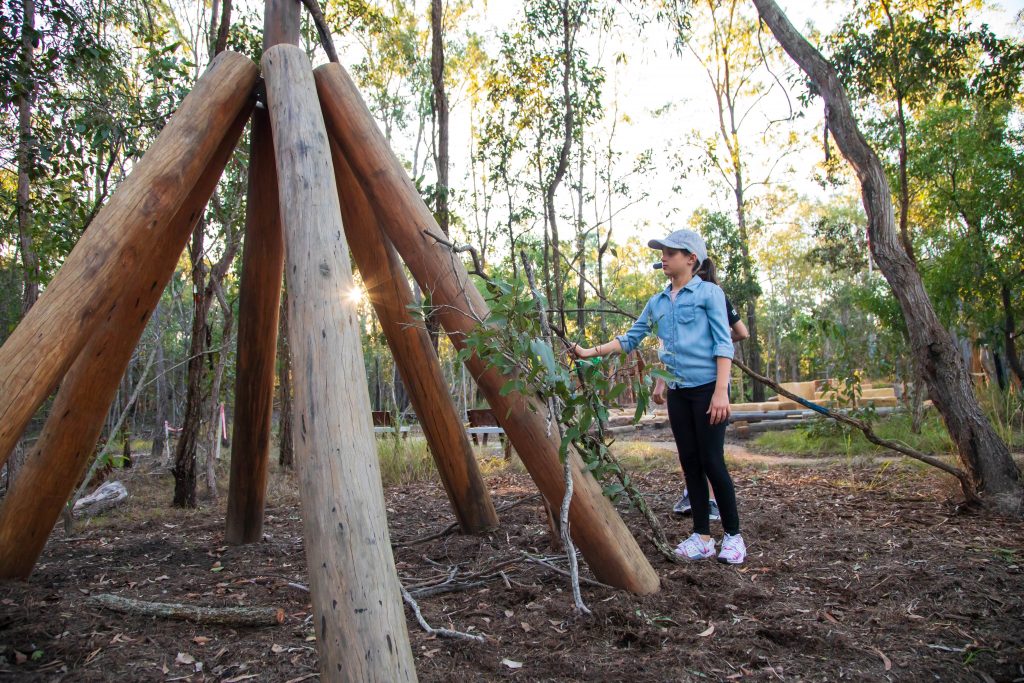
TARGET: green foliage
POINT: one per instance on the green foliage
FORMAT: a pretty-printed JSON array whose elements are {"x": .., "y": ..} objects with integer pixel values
[
  {"x": 815, "y": 440},
  {"x": 573, "y": 398}
]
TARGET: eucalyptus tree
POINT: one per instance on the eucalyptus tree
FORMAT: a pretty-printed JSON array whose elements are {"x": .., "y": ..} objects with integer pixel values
[{"x": 984, "y": 454}]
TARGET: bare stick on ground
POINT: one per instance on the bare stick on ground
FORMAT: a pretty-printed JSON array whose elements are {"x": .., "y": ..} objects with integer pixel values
[{"x": 441, "y": 632}]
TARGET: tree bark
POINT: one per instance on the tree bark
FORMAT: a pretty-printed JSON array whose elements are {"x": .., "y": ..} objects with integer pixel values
[{"x": 982, "y": 452}]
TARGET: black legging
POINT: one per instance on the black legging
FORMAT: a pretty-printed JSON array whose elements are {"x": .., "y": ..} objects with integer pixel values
[{"x": 701, "y": 447}]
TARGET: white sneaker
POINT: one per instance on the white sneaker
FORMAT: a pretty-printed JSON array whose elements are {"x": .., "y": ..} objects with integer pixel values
[
  {"x": 734, "y": 550},
  {"x": 696, "y": 548}
]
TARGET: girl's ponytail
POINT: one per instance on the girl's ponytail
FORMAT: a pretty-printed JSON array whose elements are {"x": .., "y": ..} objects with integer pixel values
[{"x": 707, "y": 271}]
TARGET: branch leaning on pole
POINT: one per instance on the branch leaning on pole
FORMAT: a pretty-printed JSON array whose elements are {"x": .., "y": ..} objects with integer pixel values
[{"x": 869, "y": 433}]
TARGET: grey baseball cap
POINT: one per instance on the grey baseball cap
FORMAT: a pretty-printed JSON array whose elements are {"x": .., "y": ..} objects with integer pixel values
[{"x": 683, "y": 239}]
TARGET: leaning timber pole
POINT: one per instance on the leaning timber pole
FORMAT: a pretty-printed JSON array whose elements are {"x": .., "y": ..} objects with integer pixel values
[
  {"x": 128, "y": 231},
  {"x": 597, "y": 529},
  {"x": 61, "y": 455},
  {"x": 391, "y": 296},
  {"x": 358, "y": 615},
  {"x": 982, "y": 451},
  {"x": 258, "y": 308}
]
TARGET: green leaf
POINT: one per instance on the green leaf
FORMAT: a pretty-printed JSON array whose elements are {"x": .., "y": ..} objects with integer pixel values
[{"x": 542, "y": 350}]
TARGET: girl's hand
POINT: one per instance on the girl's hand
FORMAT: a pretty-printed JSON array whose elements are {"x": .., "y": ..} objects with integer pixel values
[
  {"x": 658, "y": 395},
  {"x": 577, "y": 351},
  {"x": 719, "y": 408}
]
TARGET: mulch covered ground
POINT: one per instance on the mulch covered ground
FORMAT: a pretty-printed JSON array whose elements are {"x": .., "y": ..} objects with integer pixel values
[{"x": 863, "y": 572}]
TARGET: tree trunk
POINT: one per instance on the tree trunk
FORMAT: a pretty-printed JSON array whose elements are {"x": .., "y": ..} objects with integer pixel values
[
  {"x": 216, "y": 416},
  {"x": 162, "y": 414},
  {"x": 440, "y": 110},
  {"x": 26, "y": 157},
  {"x": 188, "y": 440},
  {"x": 1009, "y": 332},
  {"x": 568, "y": 122},
  {"x": 753, "y": 345},
  {"x": 982, "y": 452},
  {"x": 439, "y": 102}
]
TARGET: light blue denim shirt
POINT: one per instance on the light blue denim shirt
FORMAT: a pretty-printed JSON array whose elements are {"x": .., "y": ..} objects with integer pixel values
[{"x": 693, "y": 330}]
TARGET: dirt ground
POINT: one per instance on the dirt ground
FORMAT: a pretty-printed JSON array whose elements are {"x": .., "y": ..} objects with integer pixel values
[{"x": 862, "y": 571}]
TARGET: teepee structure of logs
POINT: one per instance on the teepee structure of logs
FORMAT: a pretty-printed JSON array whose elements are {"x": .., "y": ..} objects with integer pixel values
[{"x": 323, "y": 183}]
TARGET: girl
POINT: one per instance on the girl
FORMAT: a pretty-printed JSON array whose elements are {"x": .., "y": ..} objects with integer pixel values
[
  {"x": 738, "y": 332},
  {"x": 689, "y": 317}
]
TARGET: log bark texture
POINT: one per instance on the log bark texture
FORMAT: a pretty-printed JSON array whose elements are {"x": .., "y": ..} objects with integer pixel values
[
  {"x": 221, "y": 616},
  {"x": 258, "y": 306},
  {"x": 597, "y": 529},
  {"x": 410, "y": 345},
  {"x": 985, "y": 456},
  {"x": 130, "y": 230},
  {"x": 358, "y": 615},
  {"x": 66, "y": 444}
]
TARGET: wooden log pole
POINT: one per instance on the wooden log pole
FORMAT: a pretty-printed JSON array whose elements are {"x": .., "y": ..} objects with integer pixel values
[
  {"x": 62, "y": 453},
  {"x": 258, "y": 306},
  {"x": 358, "y": 615},
  {"x": 128, "y": 231},
  {"x": 391, "y": 296},
  {"x": 609, "y": 548}
]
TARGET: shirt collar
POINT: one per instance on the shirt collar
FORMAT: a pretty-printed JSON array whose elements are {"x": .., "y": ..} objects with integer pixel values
[{"x": 691, "y": 285}]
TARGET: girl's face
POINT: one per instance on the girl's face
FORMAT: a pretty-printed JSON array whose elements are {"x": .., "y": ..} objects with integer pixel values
[{"x": 677, "y": 261}]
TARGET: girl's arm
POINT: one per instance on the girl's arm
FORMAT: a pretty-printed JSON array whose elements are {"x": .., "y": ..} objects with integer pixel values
[
  {"x": 723, "y": 351},
  {"x": 719, "y": 409},
  {"x": 624, "y": 342},
  {"x": 605, "y": 349},
  {"x": 739, "y": 331}
]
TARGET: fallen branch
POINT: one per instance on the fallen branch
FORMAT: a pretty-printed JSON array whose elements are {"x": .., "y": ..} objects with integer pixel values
[
  {"x": 543, "y": 562},
  {"x": 440, "y": 632},
  {"x": 869, "y": 433},
  {"x": 228, "y": 616}
]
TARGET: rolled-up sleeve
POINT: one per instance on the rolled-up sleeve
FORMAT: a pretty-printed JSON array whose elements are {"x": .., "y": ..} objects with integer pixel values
[
  {"x": 718, "y": 319},
  {"x": 641, "y": 328}
]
